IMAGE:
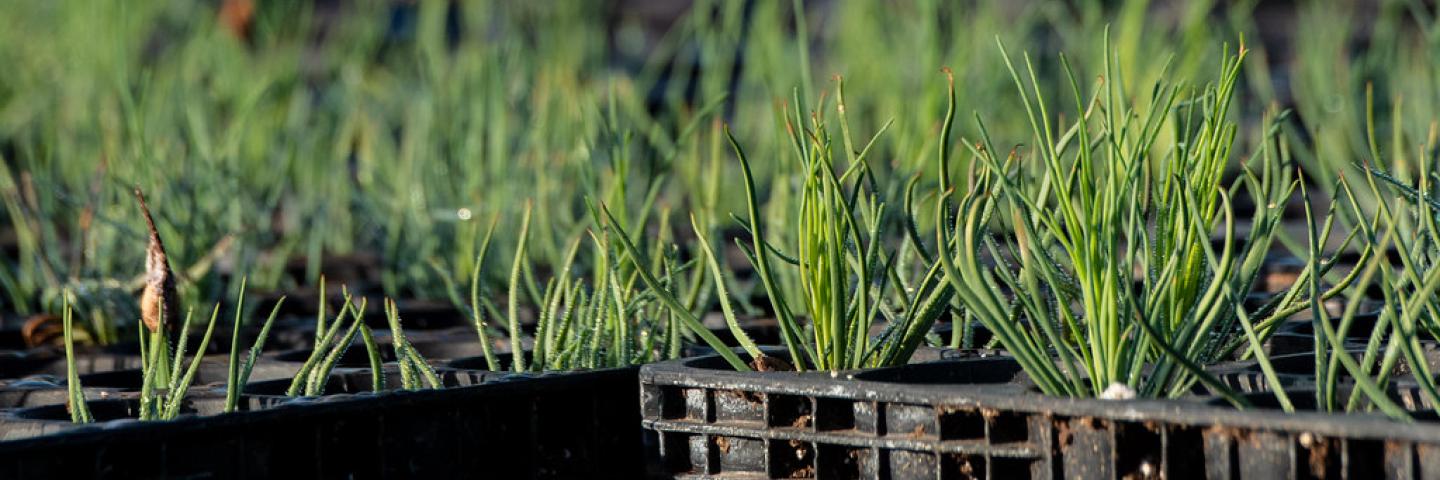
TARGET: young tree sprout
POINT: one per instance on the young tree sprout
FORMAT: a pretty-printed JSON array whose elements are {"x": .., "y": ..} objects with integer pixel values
[
  {"x": 331, "y": 345},
  {"x": 75, "y": 398},
  {"x": 1104, "y": 273},
  {"x": 593, "y": 319},
  {"x": 415, "y": 372},
  {"x": 1401, "y": 217},
  {"x": 840, "y": 268},
  {"x": 238, "y": 373},
  {"x": 163, "y": 398}
]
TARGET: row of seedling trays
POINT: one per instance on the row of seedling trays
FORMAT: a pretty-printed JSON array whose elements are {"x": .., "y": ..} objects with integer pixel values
[
  {"x": 512, "y": 425},
  {"x": 1149, "y": 326},
  {"x": 951, "y": 414},
  {"x": 1091, "y": 308}
]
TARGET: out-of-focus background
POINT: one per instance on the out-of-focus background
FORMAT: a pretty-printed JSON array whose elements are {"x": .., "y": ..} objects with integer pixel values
[{"x": 374, "y": 141}]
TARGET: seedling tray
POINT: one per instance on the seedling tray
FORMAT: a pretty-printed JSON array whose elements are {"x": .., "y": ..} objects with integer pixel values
[
  {"x": 978, "y": 419},
  {"x": 569, "y": 425}
]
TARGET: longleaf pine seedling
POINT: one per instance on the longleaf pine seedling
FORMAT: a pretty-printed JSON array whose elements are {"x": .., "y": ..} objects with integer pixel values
[
  {"x": 165, "y": 378},
  {"x": 415, "y": 372},
  {"x": 597, "y": 320},
  {"x": 840, "y": 265},
  {"x": 669, "y": 299},
  {"x": 163, "y": 398},
  {"x": 1103, "y": 280},
  {"x": 238, "y": 373},
  {"x": 1393, "y": 216},
  {"x": 75, "y": 394},
  {"x": 331, "y": 344}
]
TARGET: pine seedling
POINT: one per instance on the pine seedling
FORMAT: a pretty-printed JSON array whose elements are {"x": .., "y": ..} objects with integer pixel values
[
  {"x": 75, "y": 402},
  {"x": 239, "y": 371}
]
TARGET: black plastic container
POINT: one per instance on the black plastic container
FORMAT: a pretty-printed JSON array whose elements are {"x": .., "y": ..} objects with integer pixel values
[
  {"x": 978, "y": 419},
  {"x": 570, "y": 425}
]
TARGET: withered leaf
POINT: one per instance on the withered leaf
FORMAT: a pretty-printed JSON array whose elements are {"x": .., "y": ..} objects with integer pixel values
[{"x": 158, "y": 299}]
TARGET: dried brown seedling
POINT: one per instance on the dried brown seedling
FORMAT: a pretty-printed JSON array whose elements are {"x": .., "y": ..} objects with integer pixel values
[
  {"x": 42, "y": 329},
  {"x": 158, "y": 299}
]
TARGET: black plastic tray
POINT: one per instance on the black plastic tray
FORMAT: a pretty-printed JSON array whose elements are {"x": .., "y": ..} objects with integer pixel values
[
  {"x": 978, "y": 419},
  {"x": 570, "y": 425}
]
